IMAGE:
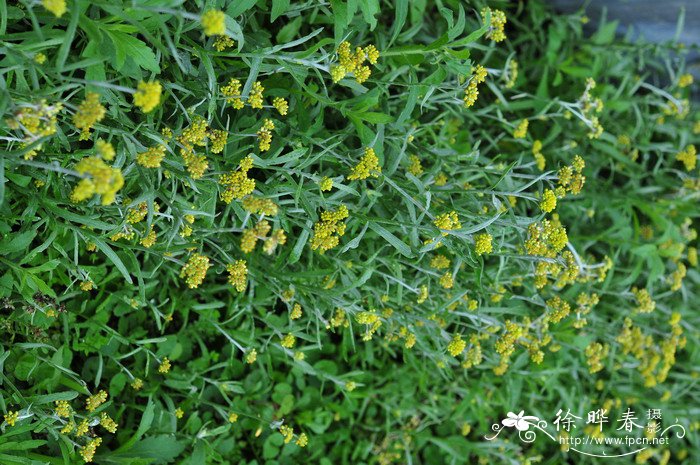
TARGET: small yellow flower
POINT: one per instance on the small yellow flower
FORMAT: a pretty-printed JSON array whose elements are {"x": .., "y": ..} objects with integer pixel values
[
  {"x": 255, "y": 98},
  {"x": 521, "y": 130},
  {"x": 350, "y": 385},
  {"x": 195, "y": 270},
  {"x": 57, "y": 7},
  {"x": 302, "y": 440},
  {"x": 137, "y": 384},
  {"x": 214, "y": 23},
  {"x": 483, "y": 243},
  {"x": 95, "y": 401},
  {"x": 288, "y": 341},
  {"x": 147, "y": 95},
  {"x": 179, "y": 413},
  {"x": 238, "y": 275},
  {"x": 251, "y": 356},
  {"x": 447, "y": 222},
  {"x": 281, "y": 105},
  {"x": 232, "y": 417},
  {"x": 222, "y": 42},
  {"x": 62, "y": 409},
  {"x": 549, "y": 201},
  {"x": 164, "y": 366},
  {"x": 11, "y": 417},
  {"x": 39, "y": 58},
  {"x": 107, "y": 423},
  {"x": 325, "y": 184},
  {"x": 296, "y": 312},
  {"x": 105, "y": 149},
  {"x": 685, "y": 80},
  {"x": 89, "y": 112},
  {"x": 456, "y": 345},
  {"x": 287, "y": 432},
  {"x": 89, "y": 449}
]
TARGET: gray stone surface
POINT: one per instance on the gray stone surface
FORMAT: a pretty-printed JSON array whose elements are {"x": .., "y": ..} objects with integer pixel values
[{"x": 653, "y": 20}]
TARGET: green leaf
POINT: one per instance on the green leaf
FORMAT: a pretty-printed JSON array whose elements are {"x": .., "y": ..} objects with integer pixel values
[
  {"x": 113, "y": 257},
  {"x": 397, "y": 243},
  {"x": 238, "y": 7},
  {"x": 127, "y": 46},
  {"x": 279, "y": 7}
]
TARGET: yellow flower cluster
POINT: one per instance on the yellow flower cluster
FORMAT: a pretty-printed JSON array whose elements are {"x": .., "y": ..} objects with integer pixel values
[
  {"x": 645, "y": 304},
  {"x": 483, "y": 243},
  {"x": 521, "y": 130},
  {"x": 546, "y": 239},
  {"x": 537, "y": 153},
  {"x": 650, "y": 354},
  {"x": 213, "y": 23},
  {"x": 217, "y": 138},
  {"x": 238, "y": 275},
  {"x": 685, "y": 80},
  {"x": 280, "y": 105},
  {"x": 329, "y": 229},
  {"x": 35, "y": 121},
  {"x": 368, "y": 166},
  {"x": 89, "y": 112},
  {"x": 195, "y": 270},
  {"x": 95, "y": 401},
  {"x": 62, "y": 409},
  {"x": 595, "y": 353},
  {"x": 147, "y": 95},
  {"x": 107, "y": 423},
  {"x": 251, "y": 356},
  {"x": 11, "y": 417},
  {"x": 232, "y": 92},
  {"x": 456, "y": 345},
  {"x": 549, "y": 201},
  {"x": 325, "y": 184},
  {"x": 87, "y": 452},
  {"x": 57, "y": 7},
  {"x": 447, "y": 222},
  {"x": 105, "y": 149},
  {"x": 447, "y": 280},
  {"x": 589, "y": 107},
  {"x": 260, "y": 206},
  {"x": 237, "y": 184},
  {"x": 296, "y": 312},
  {"x": 265, "y": 135},
  {"x": 505, "y": 345},
  {"x": 415, "y": 168},
  {"x": 571, "y": 178},
  {"x": 152, "y": 157},
  {"x": 223, "y": 42},
  {"x": 192, "y": 136},
  {"x": 471, "y": 93},
  {"x": 558, "y": 309},
  {"x": 353, "y": 62},
  {"x": 97, "y": 178},
  {"x": 137, "y": 214},
  {"x": 676, "y": 278},
  {"x": 288, "y": 341},
  {"x": 255, "y": 98},
  {"x": 498, "y": 22},
  {"x": 164, "y": 367},
  {"x": 149, "y": 239},
  {"x": 371, "y": 321},
  {"x": 440, "y": 262},
  {"x": 688, "y": 156}
]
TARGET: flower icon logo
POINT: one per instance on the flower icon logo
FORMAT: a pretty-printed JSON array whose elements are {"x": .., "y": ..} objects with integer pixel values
[{"x": 520, "y": 421}]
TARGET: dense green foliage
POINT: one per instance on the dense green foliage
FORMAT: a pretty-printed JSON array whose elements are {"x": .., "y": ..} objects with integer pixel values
[{"x": 252, "y": 243}]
